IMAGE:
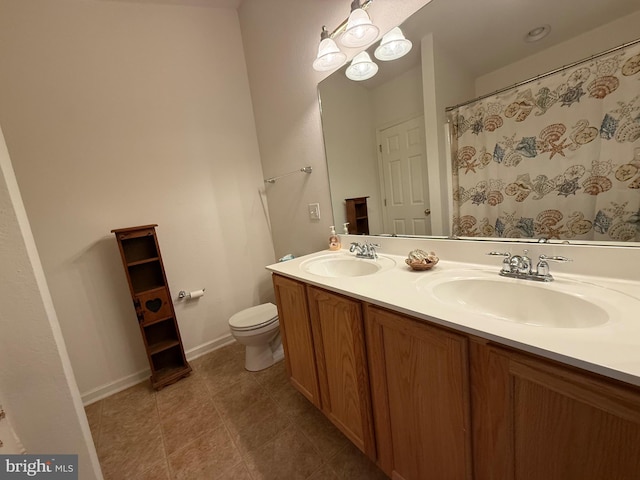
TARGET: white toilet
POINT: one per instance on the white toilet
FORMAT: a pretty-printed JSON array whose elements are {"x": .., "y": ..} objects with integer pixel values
[{"x": 258, "y": 329}]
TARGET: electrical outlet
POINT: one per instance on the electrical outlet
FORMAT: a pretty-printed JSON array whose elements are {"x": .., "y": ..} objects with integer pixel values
[{"x": 314, "y": 211}]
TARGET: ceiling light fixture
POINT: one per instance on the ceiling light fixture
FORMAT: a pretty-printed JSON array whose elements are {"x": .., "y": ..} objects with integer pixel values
[
  {"x": 393, "y": 46},
  {"x": 537, "y": 33},
  {"x": 329, "y": 55},
  {"x": 360, "y": 31},
  {"x": 355, "y": 31},
  {"x": 361, "y": 68}
]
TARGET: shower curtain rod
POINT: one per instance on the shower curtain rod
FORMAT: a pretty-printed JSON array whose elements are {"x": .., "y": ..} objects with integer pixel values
[{"x": 543, "y": 75}]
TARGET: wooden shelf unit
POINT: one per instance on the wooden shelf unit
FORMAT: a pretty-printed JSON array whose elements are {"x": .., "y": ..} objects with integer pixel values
[
  {"x": 357, "y": 215},
  {"x": 149, "y": 290}
]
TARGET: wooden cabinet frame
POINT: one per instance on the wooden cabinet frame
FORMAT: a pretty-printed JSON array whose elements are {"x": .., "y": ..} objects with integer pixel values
[{"x": 149, "y": 289}]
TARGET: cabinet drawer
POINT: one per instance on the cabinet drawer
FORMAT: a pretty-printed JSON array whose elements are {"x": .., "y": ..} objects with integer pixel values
[{"x": 153, "y": 306}]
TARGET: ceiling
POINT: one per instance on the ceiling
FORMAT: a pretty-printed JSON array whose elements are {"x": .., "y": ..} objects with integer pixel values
[
  {"x": 486, "y": 35},
  {"x": 234, "y": 4}
]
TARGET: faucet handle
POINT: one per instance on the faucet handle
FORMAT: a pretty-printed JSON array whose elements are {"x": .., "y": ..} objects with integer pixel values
[
  {"x": 557, "y": 258},
  {"x": 542, "y": 268},
  {"x": 500, "y": 254},
  {"x": 372, "y": 249},
  {"x": 506, "y": 263}
]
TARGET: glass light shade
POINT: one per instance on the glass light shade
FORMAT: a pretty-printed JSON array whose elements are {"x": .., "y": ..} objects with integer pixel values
[
  {"x": 359, "y": 31},
  {"x": 361, "y": 68},
  {"x": 329, "y": 56},
  {"x": 393, "y": 45}
]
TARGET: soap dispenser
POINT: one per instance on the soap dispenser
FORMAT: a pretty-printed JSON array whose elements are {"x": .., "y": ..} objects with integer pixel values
[
  {"x": 334, "y": 241},
  {"x": 345, "y": 228}
]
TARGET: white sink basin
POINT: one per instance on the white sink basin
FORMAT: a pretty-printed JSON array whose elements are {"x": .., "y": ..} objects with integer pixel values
[
  {"x": 555, "y": 304},
  {"x": 345, "y": 265}
]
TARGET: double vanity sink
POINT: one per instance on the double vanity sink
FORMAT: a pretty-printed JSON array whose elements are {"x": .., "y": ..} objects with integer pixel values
[
  {"x": 585, "y": 320},
  {"x": 461, "y": 372},
  {"x": 561, "y": 304}
]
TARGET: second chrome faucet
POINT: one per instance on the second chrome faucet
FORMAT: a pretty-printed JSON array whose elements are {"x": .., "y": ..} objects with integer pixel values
[{"x": 519, "y": 266}]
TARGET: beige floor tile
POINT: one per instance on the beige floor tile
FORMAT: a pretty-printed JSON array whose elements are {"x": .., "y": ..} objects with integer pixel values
[
  {"x": 222, "y": 422},
  {"x": 159, "y": 471},
  {"x": 184, "y": 424},
  {"x": 129, "y": 412},
  {"x": 233, "y": 352},
  {"x": 175, "y": 395},
  {"x": 322, "y": 434},
  {"x": 239, "y": 472},
  {"x": 325, "y": 473},
  {"x": 128, "y": 425},
  {"x": 129, "y": 456},
  {"x": 259, "y": 425},
  {"x": 207, "y": 457},
  {"x": 351, "y": 464},
  {"x": 221, "y": 375},
  {"x": 135, "y": 398},
  {"x": 292, "y": 402},
  {"x": 273, "y": 378},
  {"x": 186, "y": 411},
  {"x": 288, "y": 456},
  {"x": 237, "y": 401},
  {"x": 94, "y": 416}
]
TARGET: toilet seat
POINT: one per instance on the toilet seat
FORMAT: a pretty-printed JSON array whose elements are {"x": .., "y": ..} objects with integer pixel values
[{"x": 254, "y": 317}]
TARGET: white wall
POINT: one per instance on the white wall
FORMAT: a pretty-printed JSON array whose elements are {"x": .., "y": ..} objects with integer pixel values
[
  {"x": 583, "y": 46},
  {"x": 281, "y": 40},
  {"x": 347, "y": 116},
  {"x": 399, "y": 99},
  {"x": 36, "y": 380},
  {"x": 119, "y": 114},
  {"x": 441, "y": 74}
]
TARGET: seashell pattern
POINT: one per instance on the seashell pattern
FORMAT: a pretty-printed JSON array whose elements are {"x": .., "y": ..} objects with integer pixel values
[
  {"x": 595, "y": 185},
  {"x": 631, "y": 66},
  {"x": 626, "y": 172},
  {"x": 623, "y": 232},
  {"x": 552, "y": 133},
  {"x": 603, "y": 86},
  {"x": 578, "y": 225},
  {"x": 628, "y": 132},
  {"x": 554, "y": 158},
  {"x": 493, "y": 122}
]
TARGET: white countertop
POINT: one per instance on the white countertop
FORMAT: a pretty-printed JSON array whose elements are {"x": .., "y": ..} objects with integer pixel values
[{"x": 611, "y": 349}]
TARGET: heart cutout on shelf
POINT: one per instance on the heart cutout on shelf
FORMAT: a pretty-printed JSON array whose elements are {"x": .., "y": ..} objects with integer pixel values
[{"x": 153, "y": 305}]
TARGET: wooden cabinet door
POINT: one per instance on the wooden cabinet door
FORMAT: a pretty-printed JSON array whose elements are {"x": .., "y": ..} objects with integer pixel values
[
  {"x": 297, "y": 340},
  {"x": 419, "y": 380},
  {"x": 338, "y": 333},
  {"x": 538, "y": 420}
]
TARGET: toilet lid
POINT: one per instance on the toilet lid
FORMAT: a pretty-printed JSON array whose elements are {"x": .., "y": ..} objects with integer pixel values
[{"x": 254, "y": 317}]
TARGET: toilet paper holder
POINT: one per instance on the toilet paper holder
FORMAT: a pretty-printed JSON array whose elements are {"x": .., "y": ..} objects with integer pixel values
[{"x": 189, "y": 295}]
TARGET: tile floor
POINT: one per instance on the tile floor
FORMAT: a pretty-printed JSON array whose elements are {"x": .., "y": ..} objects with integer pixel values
[{"x": 222, "y": 422}]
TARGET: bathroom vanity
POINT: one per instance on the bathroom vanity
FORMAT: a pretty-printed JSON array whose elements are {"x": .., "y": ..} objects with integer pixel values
[{"x": 430, "y": 389}]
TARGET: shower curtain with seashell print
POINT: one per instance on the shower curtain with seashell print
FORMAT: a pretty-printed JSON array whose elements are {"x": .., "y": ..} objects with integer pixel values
[{"x": 557, "y": 158}]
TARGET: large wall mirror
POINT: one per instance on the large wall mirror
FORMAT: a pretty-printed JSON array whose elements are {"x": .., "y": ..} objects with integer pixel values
[{"x": 462, "y": 49}]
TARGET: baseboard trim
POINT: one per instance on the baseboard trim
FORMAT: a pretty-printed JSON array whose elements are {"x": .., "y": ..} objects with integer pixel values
[{"x": 111, "y": 388}]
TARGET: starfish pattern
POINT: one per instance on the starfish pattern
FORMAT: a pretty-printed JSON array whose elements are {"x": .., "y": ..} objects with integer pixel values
[
  {"x": 557, "y": 148},
  {"x": 470, "y": 165},
  {"x": 551, "y": 232}
]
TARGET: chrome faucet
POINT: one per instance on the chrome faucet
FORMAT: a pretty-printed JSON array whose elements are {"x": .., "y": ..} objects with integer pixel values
[
  {"x": 364, "y": 250},
  {"x": 519, "y": 266}
]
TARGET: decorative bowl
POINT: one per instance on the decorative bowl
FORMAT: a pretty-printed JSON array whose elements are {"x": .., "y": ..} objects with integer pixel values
[{"x": 421, "y": 260}]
